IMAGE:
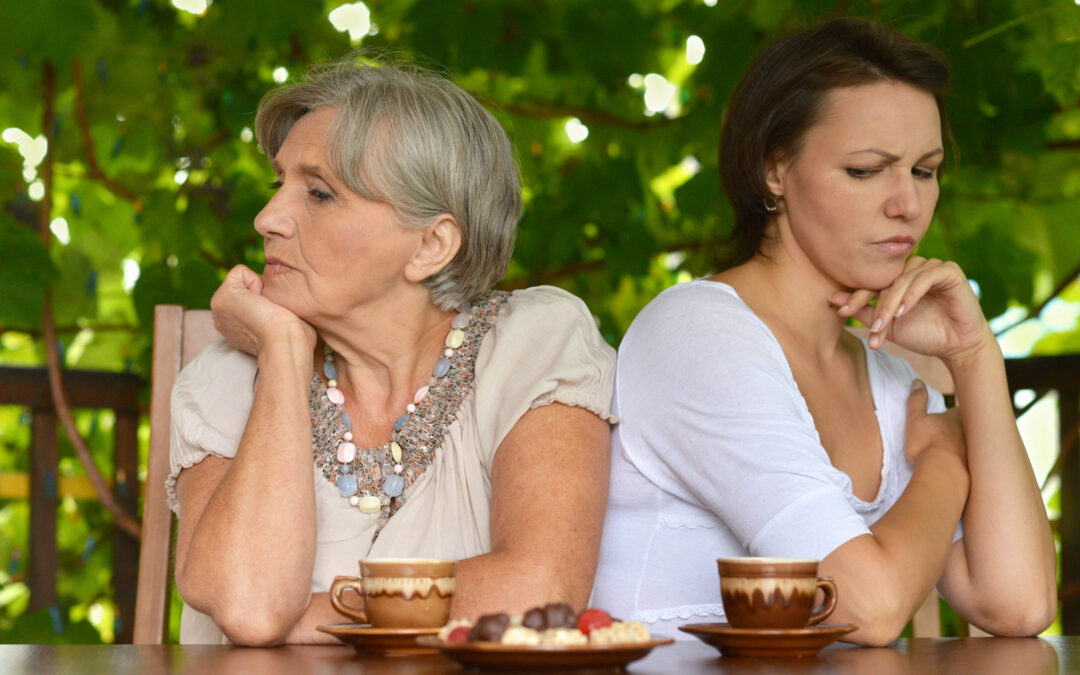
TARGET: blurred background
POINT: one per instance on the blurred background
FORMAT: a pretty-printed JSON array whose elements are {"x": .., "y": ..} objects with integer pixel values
[{"x": 129, "y": 177}]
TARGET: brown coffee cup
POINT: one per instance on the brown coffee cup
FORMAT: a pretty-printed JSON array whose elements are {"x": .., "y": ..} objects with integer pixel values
[
  {"x": 399, "y": 592},
  {"x": 773, "y": 592}
]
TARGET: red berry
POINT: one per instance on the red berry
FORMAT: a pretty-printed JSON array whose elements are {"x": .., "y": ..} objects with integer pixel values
[
  {"x": 593, "y": 618},
  {"x": 459, "y": 634}
]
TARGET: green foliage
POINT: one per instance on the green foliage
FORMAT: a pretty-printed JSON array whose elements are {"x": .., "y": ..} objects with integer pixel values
[
  {"x": 24, "y": 276},
  {"x": 154, "y": 164}
]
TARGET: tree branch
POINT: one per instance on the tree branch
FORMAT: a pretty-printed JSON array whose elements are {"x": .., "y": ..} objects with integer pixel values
[
  {"x": 586, "y": 266},
  {"x": 122, "y": 518},
  {"x": 81, "y": 118},
  {"x": 546, "y": 110},
  {"x": 1035, "y": 311}
]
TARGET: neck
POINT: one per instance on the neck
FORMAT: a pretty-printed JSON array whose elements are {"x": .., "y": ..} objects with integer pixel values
[
  {"x": 385, "y": 352},
  {"x": 791, "y": 295}
]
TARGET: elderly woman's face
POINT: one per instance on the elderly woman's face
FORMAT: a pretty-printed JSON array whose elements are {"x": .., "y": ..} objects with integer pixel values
[
  {"x": 860, "y": 194},
  {"x": 328, "y": 249}
]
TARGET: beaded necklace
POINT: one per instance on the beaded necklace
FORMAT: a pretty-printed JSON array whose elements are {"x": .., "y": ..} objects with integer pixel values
[{"x": 374, "y": 479}]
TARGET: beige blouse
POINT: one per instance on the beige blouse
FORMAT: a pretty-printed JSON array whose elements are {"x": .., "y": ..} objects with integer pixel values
[{"x": 543, "y": 348}]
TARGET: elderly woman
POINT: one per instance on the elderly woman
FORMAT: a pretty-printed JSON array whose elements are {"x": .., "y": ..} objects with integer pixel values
[
  {"x": 755, "y": 425},
  {"x": 373, "y": 397}
]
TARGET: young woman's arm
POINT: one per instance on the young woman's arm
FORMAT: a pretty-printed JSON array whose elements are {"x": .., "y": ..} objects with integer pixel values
[
  {"x": 1002, "y": 575},
  {"x": 883, "y": 577}
]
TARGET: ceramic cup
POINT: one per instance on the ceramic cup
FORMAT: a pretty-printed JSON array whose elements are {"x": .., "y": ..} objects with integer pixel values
[
  {"x": 773, "y": 592},
  {"x": 399, "y": 592}
]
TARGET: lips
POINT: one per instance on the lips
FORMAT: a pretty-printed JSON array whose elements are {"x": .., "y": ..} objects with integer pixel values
[
  {"x": 275, "y": 267},
  {"x": 896, "y": 246}
]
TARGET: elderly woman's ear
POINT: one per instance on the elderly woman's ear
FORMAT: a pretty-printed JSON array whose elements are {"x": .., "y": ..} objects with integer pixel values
[{"x": 440, "y": 241}]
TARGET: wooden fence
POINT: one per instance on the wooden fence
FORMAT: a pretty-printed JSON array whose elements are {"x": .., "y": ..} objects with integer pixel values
[{"x": 86, "y": 389}]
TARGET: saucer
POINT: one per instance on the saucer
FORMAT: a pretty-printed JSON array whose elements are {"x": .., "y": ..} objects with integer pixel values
[
  {"x": 366, "y": 639},
  {"x": 542, "y": 657},
  {"x": 768, "y": 641}
]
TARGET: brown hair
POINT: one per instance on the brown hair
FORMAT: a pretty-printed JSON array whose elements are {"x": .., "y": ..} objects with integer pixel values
[{"x": 781, "y": 96}]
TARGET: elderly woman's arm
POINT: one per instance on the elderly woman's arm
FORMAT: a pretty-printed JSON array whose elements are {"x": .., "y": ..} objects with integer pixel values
[
  {"x": 549, "y": 493},
  {"x": 246, "y": 538}
]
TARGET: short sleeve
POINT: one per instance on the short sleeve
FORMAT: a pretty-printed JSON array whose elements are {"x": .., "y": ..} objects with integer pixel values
[
  {"x": 711, "y": 414},
  {"x": 544, "y": 348},
  {"x": 210, "y": 406}
]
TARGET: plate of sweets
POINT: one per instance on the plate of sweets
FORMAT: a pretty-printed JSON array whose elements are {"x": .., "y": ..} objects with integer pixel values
[{"x": 553, "y": 636}]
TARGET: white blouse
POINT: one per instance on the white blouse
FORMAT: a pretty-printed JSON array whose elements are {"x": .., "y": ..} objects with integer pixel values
[{"x": 717, "y": 455}]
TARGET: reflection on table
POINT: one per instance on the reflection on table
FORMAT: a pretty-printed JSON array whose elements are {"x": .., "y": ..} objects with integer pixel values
[{"x": 967, "y": 655}]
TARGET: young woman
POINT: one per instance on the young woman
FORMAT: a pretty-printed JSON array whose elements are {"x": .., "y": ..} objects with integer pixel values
[{"x": 753, "y": 424}]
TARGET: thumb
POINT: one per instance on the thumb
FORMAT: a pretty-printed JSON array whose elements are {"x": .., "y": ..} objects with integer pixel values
[
  {"x": 252, "y": 281},
  {"x": 916, "y": 403}
]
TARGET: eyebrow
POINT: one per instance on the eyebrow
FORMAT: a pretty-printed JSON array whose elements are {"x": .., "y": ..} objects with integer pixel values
[
  {"x": 309, "y": 169},
  {"x": 893, "y": 158}
]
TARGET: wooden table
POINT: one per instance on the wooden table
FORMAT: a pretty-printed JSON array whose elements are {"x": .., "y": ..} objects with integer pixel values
[{"x": 923, "y": 656}]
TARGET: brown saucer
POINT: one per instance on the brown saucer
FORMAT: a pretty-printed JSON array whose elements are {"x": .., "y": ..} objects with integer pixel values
[
  {"x": 366, "y": 639},
  {"x": 768, "y": 641},
  {"x": 496, "y": 655}
]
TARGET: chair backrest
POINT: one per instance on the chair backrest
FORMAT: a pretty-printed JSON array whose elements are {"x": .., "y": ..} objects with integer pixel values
[{"x": 179, "y": 335}]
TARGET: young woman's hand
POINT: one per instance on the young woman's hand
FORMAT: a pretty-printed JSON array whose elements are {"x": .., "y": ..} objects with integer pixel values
[
  {"x": 940, "y": 431},
  {"x": 930, "y": 309},
  {"x": 247, "y": 319}
]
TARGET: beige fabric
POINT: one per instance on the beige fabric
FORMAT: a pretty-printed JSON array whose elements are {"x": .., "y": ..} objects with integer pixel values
[{"x": 543, "y": 348}]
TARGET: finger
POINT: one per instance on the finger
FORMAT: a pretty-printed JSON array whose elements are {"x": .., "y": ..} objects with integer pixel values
[
  {"x": 854, "y": 302},
  {"x": 939, "y": 275},
  {"x": 252, "y": 281},
  {"x": 865, "y": 316},
  {"x": 916, "y": 403},
  {"x": 896, "y": 300}
]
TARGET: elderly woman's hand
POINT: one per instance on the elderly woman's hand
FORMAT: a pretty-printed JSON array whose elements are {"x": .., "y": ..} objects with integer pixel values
[
  {"x": 247, "y": 319},
  {"x": 930, "y": 309}
]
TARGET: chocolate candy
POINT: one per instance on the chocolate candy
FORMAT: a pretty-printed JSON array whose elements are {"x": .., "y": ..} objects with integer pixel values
[
  {"x": 560, "y": 615},
  {"x": 535, "y": 619},
  {"x": 489, "y": 628}
]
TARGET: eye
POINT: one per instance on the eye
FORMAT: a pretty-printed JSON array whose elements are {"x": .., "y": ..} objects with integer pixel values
[
  {"x": 319, "y": 195},
  {"x": 861, "y": 173},
  {"x": 919, "y": 172},
  {"x": 274, "y": 184}
]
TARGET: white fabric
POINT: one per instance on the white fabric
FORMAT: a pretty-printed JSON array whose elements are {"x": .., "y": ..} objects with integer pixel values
[
  {"x": 543, "y": 348},
  {"x": 716, "y": 455}
]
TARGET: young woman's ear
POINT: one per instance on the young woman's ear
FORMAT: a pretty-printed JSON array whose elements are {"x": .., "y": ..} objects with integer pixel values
[
  {"x": 775, "y": 171},
  {"x": 439, "y": 243}
]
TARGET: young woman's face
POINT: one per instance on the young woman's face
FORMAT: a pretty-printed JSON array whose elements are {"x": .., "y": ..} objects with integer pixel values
[{"x": 860, "y": 193}]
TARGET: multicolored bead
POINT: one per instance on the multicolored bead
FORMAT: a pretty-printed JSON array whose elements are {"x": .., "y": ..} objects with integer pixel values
[
  {"x": 370, "y": 504},
  {"x": 394, "y": 485},
  {"x": 346, "y": 484}
]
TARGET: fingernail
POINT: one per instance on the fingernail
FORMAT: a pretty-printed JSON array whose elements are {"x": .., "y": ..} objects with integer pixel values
[
  {"x": 843, "y": 310},
  {"x": 917, "y": 384},
  {"x": 877, "y": 325},
  {"x": 900, "y": 310}
]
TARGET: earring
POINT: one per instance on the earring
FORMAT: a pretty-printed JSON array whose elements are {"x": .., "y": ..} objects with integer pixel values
[{"x": 770, "y": 204}]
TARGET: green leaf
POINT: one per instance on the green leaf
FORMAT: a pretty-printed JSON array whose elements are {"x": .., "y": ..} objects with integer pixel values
[{"x": 24, "y": 276}]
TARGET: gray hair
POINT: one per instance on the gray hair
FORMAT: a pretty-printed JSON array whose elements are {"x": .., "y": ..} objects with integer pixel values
[{"x": 414, "y": 140}]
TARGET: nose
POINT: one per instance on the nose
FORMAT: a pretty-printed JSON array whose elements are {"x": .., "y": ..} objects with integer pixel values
[
  {"x": 274, "y": 220},
  {"x": 905, "y": 202}
]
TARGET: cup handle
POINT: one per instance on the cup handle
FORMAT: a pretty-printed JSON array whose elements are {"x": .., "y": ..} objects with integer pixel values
[
  {"x": 828, "y": 587},
  {"x": 340, "y": 584}
]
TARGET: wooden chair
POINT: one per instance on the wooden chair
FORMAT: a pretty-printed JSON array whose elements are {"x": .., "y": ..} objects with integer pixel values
[
  {"x": 179, "y": 335},
  {"x": 926, "y": 621}
]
